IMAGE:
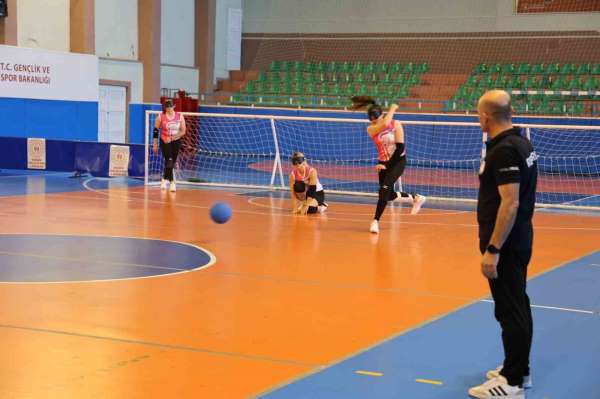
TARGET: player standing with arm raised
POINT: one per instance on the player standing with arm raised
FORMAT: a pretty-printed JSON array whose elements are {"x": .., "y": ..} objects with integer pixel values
[{"x": 388, "y": 136}]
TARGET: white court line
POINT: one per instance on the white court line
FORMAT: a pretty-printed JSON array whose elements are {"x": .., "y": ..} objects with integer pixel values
[{"x": 552, "y": 308}]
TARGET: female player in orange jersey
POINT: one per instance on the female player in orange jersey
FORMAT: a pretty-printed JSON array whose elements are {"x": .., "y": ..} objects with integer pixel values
[{"x": 388, "y": 136}]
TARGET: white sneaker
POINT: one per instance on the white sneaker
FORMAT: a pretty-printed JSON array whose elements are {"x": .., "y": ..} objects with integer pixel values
[
  {"x": 322, "y": 208},
  {"x": 497, "y": 388},
  {"x": 163, "y": 184},
  {"x": 374, "y": 227},
  {"x": 527, "y": 384},
  {"x": 172, "y": 187},
  {"x": 417, "y": 204}
]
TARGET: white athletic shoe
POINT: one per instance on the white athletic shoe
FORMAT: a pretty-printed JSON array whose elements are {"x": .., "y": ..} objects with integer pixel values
[
  {"x": 163, "y": 184},
  {"x": 374, "y": 227},
  {"x": 527, "y": 384},
  {"x": 497, "y": 388},
  {"x": 322, "y": 208},
  {"x": 417, "y": 204},
  {"x": 173, "y": 187}
]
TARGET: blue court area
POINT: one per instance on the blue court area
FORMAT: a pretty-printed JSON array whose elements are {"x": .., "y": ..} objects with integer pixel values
[
  {"x": 30, "y": 182},
  {"x": 53, "y": 258},
  {"x": 442, "y": 359}
]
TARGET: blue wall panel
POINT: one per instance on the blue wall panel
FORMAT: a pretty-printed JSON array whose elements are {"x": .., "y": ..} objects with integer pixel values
[{"x": 50, "y": 119}]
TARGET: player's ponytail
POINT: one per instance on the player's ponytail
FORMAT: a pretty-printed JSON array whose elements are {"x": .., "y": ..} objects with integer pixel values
[{"x": 374, "y": 110}]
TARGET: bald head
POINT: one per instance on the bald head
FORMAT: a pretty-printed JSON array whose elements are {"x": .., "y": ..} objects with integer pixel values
[{"x": 496, "y": 105}]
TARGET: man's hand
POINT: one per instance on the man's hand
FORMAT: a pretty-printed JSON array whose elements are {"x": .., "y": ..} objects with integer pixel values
[{"x": 489, "y": 263}]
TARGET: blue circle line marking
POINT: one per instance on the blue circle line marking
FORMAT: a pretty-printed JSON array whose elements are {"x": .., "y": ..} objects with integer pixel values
[{"x": 201, "y": 252}]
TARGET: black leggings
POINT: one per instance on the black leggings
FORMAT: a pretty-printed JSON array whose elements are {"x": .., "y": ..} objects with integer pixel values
[
  {"x": 513, "y": 312},
  {"x": 387, "y": 179},
  {"x": 170, "y": 152}
]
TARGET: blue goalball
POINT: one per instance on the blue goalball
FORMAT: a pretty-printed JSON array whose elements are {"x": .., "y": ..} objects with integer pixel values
[{"x": 220, "y": 212}]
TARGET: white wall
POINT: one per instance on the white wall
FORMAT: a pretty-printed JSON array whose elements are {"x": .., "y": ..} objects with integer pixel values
[
  {"x": 177, "y": 32},
  {"x": 43, "y": 24},
  {"x": 128, "y": 71},
  {"x": 172, "y": 77},
  {"x": 117, "y": 29},
  {"x": 178, "y": 46},
  {"x": 402, "y": 16},
  {"x": 221, "y": 31}
]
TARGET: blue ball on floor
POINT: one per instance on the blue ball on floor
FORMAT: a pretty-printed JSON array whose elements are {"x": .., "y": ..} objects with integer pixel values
[{"x": 220, "y": 212}]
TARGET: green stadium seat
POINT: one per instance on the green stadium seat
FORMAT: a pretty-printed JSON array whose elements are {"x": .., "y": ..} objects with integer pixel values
[
  {"x": 568, "y": 69},
  {"x": 409, "y": 68},
  {"x": 531, "y": 83},
  {"x": 494, "y": 69},
  {"x": 583, "y": 69},
  {"x": 596, "y": 69},
  {"x": 359, "y": 78},
  {"x": 310, "y": 67},
  {"x": 591, "y": 83},
  {"x": 514, "y": 83},
  {"x": 575, "y": 84},
  {"x": 524, "y": 69},
  {"x": 262, "y": 76},
  {"x": 414, "y": 79},
  {"x": 576, "y": 108},
  {"x": 310, "y": 88},
  {"x": 552, "y": 68},
  {"x": 382, "y": 67},
  {"x": 358, "y": 67},
  {"x": 374, "y": 91},
  {"x": 335, "y": 90},
  {"x": 386, "y": 78},
  {"x": 402, "y": 92},
  {"x": 480, "y": 69},
  {"x": 509, "y": 69},
  {"x": 486, "y": 82},
  {"x": 298, "y": 66},
  {"x": 471, "y": 81},
  {"x": 369, "y": 68},
  {"x": 545, "y": 82},
  {"x": 344, "y": 67},
  {"x": 538, "y": 69},
  {"x": 424, "y": 68},
  {"x": 275, "y": 66},
  {"x": 559, "y": 83},
  {"x": 362, "y": 90},
  {"x": 321, "y": 67},
  {"x": 273, "y": 77},
  {"x": 396, "y": 68},
  {"x": 500, "y": 82},
  {"x": 297, "y": 76},
  {"x": 399, "y": 79}
]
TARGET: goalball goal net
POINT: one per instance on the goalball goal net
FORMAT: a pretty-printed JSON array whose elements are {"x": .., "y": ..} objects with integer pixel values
[{"x": 443, "y": 157}]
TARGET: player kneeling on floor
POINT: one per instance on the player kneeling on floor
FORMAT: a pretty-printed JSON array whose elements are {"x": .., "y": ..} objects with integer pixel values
[{"x": 306, "y": 190}]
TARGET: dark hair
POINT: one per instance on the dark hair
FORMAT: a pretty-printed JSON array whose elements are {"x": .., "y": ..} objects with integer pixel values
[
  {"x": 168, "y": 104},
  {"x": 297, "y": 158},
  {"x": 374, "y": 110}
]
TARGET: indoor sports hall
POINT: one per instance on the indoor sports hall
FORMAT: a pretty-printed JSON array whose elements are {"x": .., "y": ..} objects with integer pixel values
[{"x": 151, "y": 245}]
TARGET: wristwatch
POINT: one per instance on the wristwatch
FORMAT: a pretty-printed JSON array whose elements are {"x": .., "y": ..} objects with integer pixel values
[{"x": 492, "y": 249}]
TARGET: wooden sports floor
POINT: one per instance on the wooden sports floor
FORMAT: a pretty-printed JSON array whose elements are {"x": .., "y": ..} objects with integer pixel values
[{"x": 280, "y": 297}]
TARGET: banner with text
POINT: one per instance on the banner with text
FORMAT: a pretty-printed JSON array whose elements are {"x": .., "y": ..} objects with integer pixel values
[
  {"x": 119, "y": 160},
  {"x": 36, "y": 153},
  {"x": 47, "y": 75}
]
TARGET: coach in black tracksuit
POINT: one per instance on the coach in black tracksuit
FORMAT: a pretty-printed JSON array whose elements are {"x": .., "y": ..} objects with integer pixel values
[{"x": 508, "y": 178}]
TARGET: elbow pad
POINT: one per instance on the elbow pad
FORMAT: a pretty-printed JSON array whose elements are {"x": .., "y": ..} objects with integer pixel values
[{"x": 155, "y": 133}]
